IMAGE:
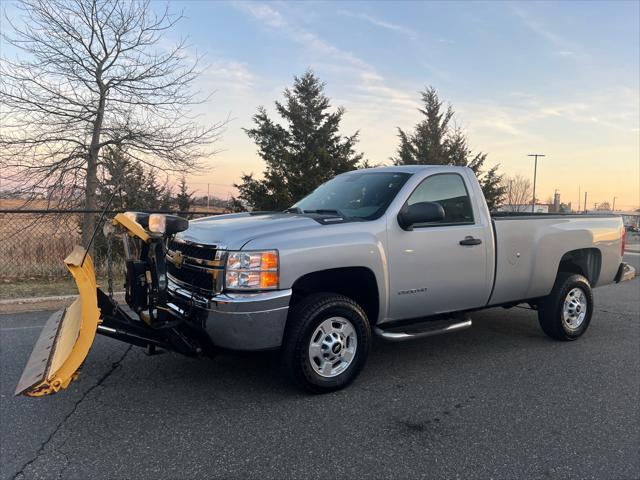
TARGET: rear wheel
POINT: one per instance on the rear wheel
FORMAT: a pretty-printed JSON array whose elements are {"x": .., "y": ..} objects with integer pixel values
[
  {"x": 326, "y": 343},
  {"x": 566, "y": 312}
]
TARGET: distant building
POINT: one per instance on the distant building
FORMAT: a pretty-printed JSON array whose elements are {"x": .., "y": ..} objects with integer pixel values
[
  {"x": 565, "y": 208},
  {"x": 556, "y": 203}
]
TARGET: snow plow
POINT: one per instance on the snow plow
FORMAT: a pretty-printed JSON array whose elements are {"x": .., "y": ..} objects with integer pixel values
[{"x": 151, "y": 321}]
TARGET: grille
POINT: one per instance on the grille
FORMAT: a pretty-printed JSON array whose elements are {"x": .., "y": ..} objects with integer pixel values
[
  {"x": 199, "y": 280},
  {"x": 194, "y": 250},
  {"x": 194, "y": 266}
]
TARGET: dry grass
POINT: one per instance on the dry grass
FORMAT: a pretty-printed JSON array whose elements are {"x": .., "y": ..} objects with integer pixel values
[
  {"x": 15, "y": 203},
  {"x": 34, "y": 246},
  {"x": 10, "y": 289}
]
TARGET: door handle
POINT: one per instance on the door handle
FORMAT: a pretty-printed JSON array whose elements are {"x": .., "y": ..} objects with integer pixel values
[{"x": 470, "y": 241}]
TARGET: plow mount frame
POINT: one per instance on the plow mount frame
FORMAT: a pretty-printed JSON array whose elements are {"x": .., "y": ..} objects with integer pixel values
[{"x": 118, "y": 324}]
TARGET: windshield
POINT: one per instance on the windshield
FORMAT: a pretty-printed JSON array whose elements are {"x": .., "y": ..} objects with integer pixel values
[{"x": 364, "y": 195}]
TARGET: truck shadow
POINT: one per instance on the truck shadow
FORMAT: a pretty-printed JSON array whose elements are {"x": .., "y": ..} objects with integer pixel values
[{"x": 495, "y": 335}]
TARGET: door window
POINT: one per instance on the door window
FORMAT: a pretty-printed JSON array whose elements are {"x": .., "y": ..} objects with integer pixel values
[{"x": 448, "y": 190}]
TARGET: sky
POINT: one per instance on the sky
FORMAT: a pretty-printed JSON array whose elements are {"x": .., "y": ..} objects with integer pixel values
[{"x": 557, "y": 78}]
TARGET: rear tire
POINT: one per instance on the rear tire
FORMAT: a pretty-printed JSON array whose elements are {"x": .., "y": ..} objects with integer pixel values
[
  {"x": 566, "y": 312},
  {"x": 326, "y": 342}
]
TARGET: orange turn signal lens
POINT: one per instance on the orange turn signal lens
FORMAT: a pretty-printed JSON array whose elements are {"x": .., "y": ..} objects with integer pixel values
[
  {"x": 268, "y": 279},
  {"x": 269, "y": 261}
]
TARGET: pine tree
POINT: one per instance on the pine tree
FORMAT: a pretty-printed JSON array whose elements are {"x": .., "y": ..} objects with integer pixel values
[
  {"x": 184, "y": 197},
  {"x": 493, "y": 188},
  {"x": 436, "y": 141},
  {"x": 135, "y": 187},
  {"x": 307, "y": 151}
]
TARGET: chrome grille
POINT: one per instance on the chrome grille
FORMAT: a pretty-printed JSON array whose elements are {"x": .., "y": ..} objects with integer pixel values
[
  {"x": 196, "y": 267},
  {"x": 194, "y": 250}
]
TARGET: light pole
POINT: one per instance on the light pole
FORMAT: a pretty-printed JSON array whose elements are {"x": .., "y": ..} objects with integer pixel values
[{"x": 535, "y": 172}]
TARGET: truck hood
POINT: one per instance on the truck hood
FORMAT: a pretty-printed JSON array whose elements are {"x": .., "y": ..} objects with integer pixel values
[{"x": 235, "y": 230}]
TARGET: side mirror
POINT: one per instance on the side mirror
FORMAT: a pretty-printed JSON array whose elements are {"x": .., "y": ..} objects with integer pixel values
[{"x": 421, "y": 212}]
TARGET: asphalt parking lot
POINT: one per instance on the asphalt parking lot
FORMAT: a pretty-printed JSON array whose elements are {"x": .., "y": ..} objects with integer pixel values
[{"x": 497, "y": 401}]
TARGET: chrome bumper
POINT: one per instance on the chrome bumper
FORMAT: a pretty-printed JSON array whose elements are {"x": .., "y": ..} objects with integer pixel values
[
  {"x": 625, "y": 272},
  {"x": 242, "y": 321}
]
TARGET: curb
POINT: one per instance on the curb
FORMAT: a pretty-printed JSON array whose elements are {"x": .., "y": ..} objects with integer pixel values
[
  {"x": 35, "y": 304},
  {"x": 54, "y": 298}
]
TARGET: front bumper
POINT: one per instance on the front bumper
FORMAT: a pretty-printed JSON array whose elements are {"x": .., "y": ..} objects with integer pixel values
[
  {"x": 241, "y": 321},
  {"x": 625, "y": 272}
]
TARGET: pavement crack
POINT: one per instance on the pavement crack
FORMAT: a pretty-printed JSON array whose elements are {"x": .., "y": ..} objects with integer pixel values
[{"x": 43, "y": 446}]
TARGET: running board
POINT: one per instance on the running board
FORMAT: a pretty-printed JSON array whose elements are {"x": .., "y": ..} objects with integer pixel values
[{"x": 423, "y": 329}]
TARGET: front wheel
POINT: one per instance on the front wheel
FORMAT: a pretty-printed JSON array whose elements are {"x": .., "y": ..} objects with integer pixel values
[
  {"x": 326, "y": 343},
  {"x": 566, "y": 312}
]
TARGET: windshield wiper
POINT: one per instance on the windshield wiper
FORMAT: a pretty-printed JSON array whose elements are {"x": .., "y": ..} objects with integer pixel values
[
  {"x": 326, "y": 211},
  {"x": 293, "y": 210}
]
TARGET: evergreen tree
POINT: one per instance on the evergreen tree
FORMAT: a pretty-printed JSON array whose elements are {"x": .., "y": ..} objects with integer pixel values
[
  {"x": 184, "y": 197},
  {"x": 435, "y": 141},
  {"x": 136, "y": 188},
  {"x": 307, "y": 151},
  {"x": 493, "y": 188}
]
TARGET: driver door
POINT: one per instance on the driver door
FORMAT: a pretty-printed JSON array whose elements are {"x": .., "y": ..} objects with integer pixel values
[{"x": 431, "y": 271}]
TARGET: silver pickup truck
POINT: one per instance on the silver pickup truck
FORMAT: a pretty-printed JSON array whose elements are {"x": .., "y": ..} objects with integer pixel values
[
  {"x": 403, "y": 252},
  {"x": 399, "y": 252}
]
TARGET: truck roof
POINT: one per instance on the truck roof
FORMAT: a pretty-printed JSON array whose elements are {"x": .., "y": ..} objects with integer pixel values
[{"x": 408, "y": 168}]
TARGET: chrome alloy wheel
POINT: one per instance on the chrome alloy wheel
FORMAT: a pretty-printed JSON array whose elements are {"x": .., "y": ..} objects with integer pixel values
[
  {"x": 333, "y": 347},
  {"x": 575, "y": 309}
]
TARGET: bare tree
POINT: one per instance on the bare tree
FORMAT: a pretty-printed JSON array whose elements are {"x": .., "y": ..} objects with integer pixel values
[
  {"x": 95, "y": 74},
  {"x": 518, "y": 193}
]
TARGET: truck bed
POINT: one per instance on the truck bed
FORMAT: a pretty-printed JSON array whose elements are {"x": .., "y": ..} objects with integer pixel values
[{"x": 530, "y": 247}]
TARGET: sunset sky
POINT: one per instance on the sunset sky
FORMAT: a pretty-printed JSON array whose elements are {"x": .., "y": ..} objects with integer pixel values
[{"x": 541, "y": 77}]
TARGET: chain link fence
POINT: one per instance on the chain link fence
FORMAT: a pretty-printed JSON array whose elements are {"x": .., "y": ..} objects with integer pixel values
[{"x": 34, "y": 243}]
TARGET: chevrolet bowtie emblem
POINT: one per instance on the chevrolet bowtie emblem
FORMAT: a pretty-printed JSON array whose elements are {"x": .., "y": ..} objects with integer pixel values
[{"x": 178, "y": 259}]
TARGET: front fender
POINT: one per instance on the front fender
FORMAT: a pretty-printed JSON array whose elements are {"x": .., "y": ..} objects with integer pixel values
[{"x": 339, "y": 246}]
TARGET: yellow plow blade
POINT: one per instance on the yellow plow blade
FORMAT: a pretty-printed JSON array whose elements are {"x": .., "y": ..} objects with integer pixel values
[{"x": 67, "y": 336}]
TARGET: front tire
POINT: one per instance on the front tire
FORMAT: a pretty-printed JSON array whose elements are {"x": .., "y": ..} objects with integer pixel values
[
  {"x": 566, "y": 312},
  {"x": 326, "y": 342}
]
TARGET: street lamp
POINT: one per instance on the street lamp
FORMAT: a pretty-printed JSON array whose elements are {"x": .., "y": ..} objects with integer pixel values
[{"x": 535, "y": 172}]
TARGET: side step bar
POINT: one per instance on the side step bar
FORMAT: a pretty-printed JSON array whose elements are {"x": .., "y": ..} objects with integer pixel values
[{"x": 423, "y": 329}]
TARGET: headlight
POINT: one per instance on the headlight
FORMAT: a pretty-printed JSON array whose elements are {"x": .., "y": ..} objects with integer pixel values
[
  {"x": 252, "y": 270},
  {"x": 140, "y": 218},
  {"x": 157, "y": 223}
]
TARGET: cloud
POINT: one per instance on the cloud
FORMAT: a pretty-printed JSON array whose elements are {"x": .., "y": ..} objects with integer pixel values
[
  {"x": 537, "y": 27},
  {"x": 564, "y": 48},
  {"x": 273, "y": 19},
  {"x": 265, "y": 13},
  {"x": 525, "y": 116},
  {"x": 234, "y": 76},
  {"x": 369, "y": 86},
  {"x": 394, "y": 27}
]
